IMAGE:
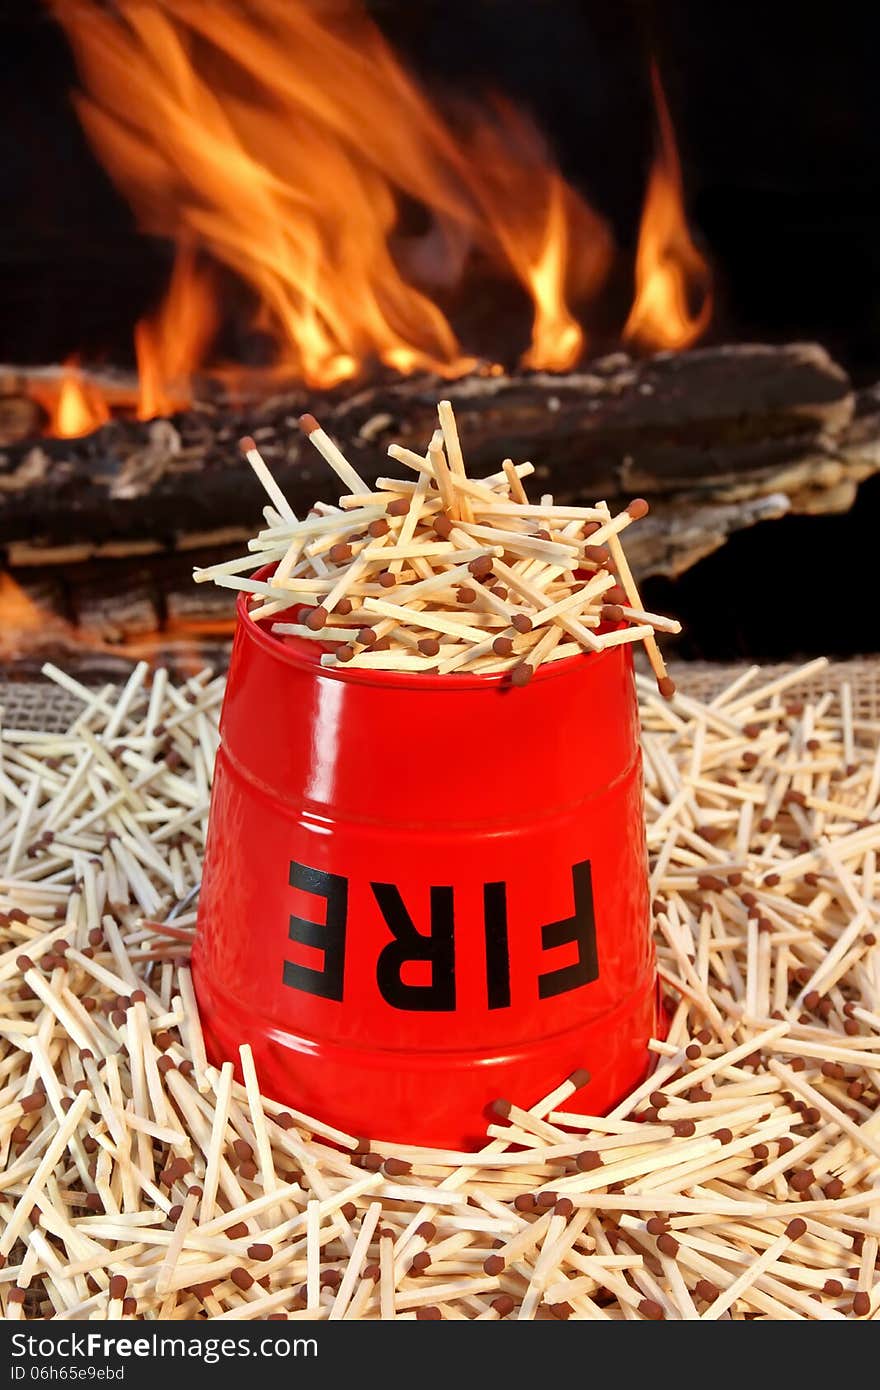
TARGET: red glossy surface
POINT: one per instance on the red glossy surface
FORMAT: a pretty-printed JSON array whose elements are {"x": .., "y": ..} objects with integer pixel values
[{"x": 417, "y": 782}]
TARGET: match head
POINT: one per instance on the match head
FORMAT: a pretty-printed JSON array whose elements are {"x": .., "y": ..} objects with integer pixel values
[
  {"x": 501, "y": 1108},
  {"x": 521, "y": 622},
  {"x": 638, "y": 508},
  {"x": 118, "y": 1286},
  {"x": 795, "y": 1229},
  {"x": 521, "y": 674},
  {"x": 317, "y": 618},
  {"x": 612, "y": 613},
  {"x": 579, "y": 1078},
  {"x": 247, "y": 444},
  {"x": 666, "y": 686},
  {"x": 429, "y": 646},
  {"x": 308, "y": 424}
]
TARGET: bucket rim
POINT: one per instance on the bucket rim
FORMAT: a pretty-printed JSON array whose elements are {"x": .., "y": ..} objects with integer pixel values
[{"x": 304, "y": 656}]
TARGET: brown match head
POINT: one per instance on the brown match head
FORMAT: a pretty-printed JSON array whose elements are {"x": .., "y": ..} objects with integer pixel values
[
  {"x": 442, "y": 525},
  {"x": 429, "y": 1314},
  {"x": 373, "y": 1272},
  {"x": 586, "y": 1161},
  {"x": 580, "y": 1078},
  {"x": 480, "y": 567},
  {"x": 429, "y": 646},
  {"x": 801, "y": 1179},
  {"x": 466, "y": 594},
  {"x": 861, "y": 1304},
  {"x": 666, "y": 686},
  {"x": 668, "y": 1245},
  {"x": 344, "y": 607},
  {"x": 129, "y": 1307},
  {"x": 616, "y": 594},
  {"x": 503, "y": 1305},
  {"x": 344, "y": 652},
  {"x": 260, "y": 1252},
  {"x": 521, "y": 674},
  {"x": 366, "y": 636},
  {"x": 612, "y": 613},
  {"x": 396, "y": 1167},
  {"x": 493, "y": 1265},
  {"x": 420, "y": 1262},
  {"x": 795, "y": 1229},
  {"x": 317, "y": 618},
  {"x": 308, "y": 424},
  {"x": 247, "y": 444},
  {"x": 241, "y": 1279},
  {"x": 598, "y": 554},
  {"x": 706, "y": 1290},
  {"x": 564, "y": 1207},
  {"x": 17, "y": 1294},
  {"x": 237, "y": 1231},
  {"x": 638, "y": 508},
  {"x": 683, "y": 1129},
  {"x": 399, "y": 507},
  {"x": 502, "y": 1108},
  {"x": 833, "y": 1189},
  {"x": 427, "y": 1230},
  {"x": 387, "y": 579},
  {"x": 339, "y": 553},
  {"x": 833, "y": 1288},
  {"x": 521, "y": 622},
  {"x": 651, "y": 1310},
  {"x": 500, "y": 592},
  {"x": 502, "y": 646},
  {"x": 24, "y": 963},
  {"x": 378, "y": 528},
  {"x": 36, "y": 1100},
  {"x": 348, "y": 1210}
]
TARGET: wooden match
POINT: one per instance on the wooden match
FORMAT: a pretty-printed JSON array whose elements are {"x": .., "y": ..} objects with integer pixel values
[{"x": 408, "y": 544}]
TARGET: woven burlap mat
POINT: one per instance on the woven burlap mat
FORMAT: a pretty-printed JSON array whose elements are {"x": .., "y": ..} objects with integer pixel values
[{"x": 44, "y": 705}]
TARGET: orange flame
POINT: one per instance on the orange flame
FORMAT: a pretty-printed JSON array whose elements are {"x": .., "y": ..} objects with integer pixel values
[
  {"x": 78, "y": 408},
  {"x": 284, "y": 139},
  {"x": 173, "y": 342},
  {"x": 670, "y": 272},
  {"x": 18, "y": 613}
]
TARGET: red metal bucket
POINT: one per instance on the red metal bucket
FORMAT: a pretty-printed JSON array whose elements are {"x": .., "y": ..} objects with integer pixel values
[{"x": 422, "y": 893}]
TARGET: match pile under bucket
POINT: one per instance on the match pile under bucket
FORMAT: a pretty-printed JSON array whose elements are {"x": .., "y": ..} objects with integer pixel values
[{"x": 423, "y": 893}]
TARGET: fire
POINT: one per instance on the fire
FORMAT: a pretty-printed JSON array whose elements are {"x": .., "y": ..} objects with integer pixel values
[
  {"x": 17, "y": 612},
  {"x": 173, "y": 342},
  {"x": 670, "y": 272},
  {"x": 74, "y": 406},
  {"x": 285, "y": 139}
]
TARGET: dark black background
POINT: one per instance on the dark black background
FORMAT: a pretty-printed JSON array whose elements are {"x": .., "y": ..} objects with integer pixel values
[{"x": 775, "y": 106}]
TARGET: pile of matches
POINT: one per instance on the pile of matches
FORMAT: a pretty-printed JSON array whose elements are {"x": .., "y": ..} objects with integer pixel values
[
  {"x": 739, "y": 1181},
  {"x": 442, "y": 572}
]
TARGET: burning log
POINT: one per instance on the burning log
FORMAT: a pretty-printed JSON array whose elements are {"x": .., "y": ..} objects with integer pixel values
[
  {"x": 104, "y": 530},
  {"x": 715, "y": 428}
]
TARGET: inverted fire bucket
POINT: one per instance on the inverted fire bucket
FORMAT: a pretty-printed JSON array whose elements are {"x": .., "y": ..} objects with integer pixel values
[{"x": 422, "y": 893}]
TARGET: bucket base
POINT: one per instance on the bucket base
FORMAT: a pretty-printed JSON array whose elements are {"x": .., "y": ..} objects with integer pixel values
[{"x": 440, "y": 1099}]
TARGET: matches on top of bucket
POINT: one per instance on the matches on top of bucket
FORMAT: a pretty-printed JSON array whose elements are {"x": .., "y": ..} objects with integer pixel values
[{"x": 441, "y": 572}]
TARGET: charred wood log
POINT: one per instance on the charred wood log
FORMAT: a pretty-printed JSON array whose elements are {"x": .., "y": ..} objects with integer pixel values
[{"x": 717, "y": 438}]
